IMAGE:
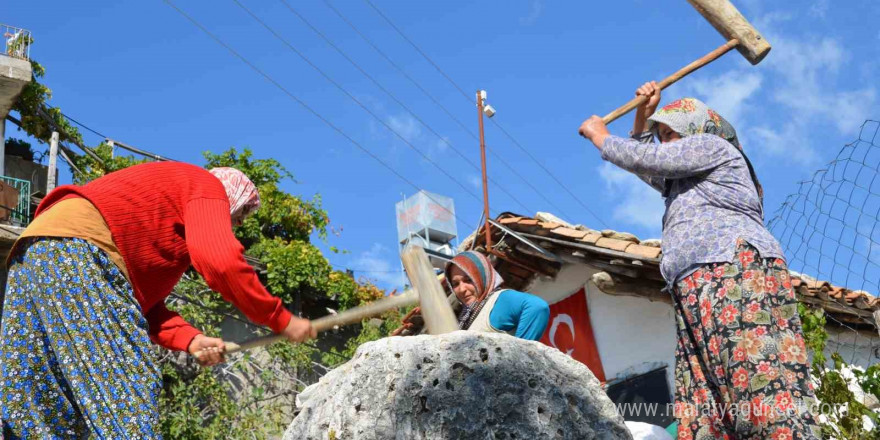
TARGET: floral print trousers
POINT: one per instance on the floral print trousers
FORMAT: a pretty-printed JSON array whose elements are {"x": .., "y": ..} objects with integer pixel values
[
  {"x": 741, "y": 364},
  {"x": 75, "y": 357}
]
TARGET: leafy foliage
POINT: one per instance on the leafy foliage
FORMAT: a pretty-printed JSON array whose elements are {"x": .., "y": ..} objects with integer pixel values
[
  {"x": 32, "y": 101},
  {"x": 842, "y": 413}
]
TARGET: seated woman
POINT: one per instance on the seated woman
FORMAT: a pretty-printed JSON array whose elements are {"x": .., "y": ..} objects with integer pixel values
[{"x": 486, "y": 308}]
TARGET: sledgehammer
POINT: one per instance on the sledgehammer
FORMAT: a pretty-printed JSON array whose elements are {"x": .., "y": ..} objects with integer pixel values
[
  {"x": 426, "y": 290},
  {"x": 727, "y": 20}
]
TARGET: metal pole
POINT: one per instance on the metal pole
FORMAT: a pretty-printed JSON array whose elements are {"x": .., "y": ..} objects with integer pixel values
[
  {"x": 483, "y": 164},
  {"x": 3, "y": 146},
  {"x": 53, "y": 157}
]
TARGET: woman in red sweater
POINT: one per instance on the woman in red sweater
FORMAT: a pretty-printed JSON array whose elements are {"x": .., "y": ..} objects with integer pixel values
[{"x": 85, "y": 295}]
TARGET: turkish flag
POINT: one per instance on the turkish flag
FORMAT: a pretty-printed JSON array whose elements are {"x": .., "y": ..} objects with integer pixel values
[{"x": 570, "y": 331}]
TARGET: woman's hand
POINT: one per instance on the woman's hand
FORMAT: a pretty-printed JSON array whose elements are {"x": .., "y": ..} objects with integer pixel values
[
  {"x": 299, "y": 330},
  {"x": 652, "y": 91},
  {"x": 595, "y": 130},
  {"x": 208, "y": 351}
]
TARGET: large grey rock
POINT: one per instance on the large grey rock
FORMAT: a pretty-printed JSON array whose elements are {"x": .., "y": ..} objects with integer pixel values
[{"x": 461, "y": 385}]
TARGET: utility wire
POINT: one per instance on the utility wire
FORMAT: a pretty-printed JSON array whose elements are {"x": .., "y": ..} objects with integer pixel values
[
  {"x": 307, "y": 107},
  {"x": 365, "y": 270},
  {"x": 83, "y": 125},
  {"x": 357, "y": 101},
  {"x": 395, "y": 99},
  {"x": 468, "y": 98},
  {"x": 442, "y": 107},
  {"x": 120, "y": 144}
]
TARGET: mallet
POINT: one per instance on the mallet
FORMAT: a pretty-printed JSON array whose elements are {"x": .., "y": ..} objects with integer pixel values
[
  {"x": 732, "y": 25},
  {"x": 427, "y": 291}
]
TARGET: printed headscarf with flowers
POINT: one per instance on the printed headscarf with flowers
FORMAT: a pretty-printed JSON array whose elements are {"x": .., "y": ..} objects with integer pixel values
[
  {"x": 484, "y": 278},
  {"x": 241, "y": 192},
  {"x": 690, "y": 116}
]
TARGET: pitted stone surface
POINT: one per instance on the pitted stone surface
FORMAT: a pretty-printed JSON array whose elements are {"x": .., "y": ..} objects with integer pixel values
[{"x": 461, "y": 385}]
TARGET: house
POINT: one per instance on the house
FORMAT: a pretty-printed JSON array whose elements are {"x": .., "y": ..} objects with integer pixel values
[{"x": 608, "y": 310}]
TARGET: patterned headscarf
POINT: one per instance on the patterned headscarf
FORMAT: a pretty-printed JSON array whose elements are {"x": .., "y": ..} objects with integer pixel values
[
  {"x": 242, "y": 193},
  {"x": 484, "y": 277},
  {"x": 690, "y": 116}
]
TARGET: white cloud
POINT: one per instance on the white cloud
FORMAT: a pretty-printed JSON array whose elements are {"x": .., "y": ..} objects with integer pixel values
[
  {"x": 806, "y": 75},
  {"x": 797, "y": 90},
  {"x": 374, "y": 265},
  {"x": 819, "y": 8},
  {"x": 636, "y": 202},
  {"x": 406, "y": 126},
  {"x": 476, "y": 181},
  {"x": 412, "y": 130},
  {"x": 727, "y": 93},
  {"x": 536, "y": 8}
]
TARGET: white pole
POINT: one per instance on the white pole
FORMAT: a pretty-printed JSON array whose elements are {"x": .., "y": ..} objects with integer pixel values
[{"x": 53, "y": 156}]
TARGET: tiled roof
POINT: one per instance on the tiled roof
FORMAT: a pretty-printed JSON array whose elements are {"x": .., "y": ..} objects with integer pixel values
[{"x": 627, "y": 255}]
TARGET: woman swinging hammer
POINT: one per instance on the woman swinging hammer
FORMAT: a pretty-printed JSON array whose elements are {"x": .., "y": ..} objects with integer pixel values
[
  {"x": 741, "y": 364},
  {"x": 85, "y": 296}
]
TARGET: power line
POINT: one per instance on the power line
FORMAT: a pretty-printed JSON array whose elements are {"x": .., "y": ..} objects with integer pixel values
[
  {"x": 398, "y": 101},
  {"x": 468, "y": 98},
  {"x": 365, "y": 270},
  {"x": 82, "y": 125},
  {"x": 357, "y": 101},
  {"x": 306, "y": 106},
  {"x": 442, "y": 107}
]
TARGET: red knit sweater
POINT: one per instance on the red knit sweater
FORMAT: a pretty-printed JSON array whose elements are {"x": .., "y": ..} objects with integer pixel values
[{"x": 164, "y": 217}]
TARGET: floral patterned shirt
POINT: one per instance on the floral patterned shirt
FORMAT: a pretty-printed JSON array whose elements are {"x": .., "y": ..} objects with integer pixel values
[{"x": 711, "y": 200}]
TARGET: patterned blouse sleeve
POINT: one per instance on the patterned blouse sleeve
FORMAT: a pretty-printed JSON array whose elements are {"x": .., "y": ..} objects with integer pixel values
[
  {"x": 691, "y": 156},
  {"x": 657, "y": 183}
]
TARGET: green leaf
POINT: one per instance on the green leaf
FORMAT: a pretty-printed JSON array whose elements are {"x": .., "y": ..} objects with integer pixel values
[
  {"x": 734, "y": 294},
  {"x": 758, "y": 382},
  {"x": 762, "y": 317}
]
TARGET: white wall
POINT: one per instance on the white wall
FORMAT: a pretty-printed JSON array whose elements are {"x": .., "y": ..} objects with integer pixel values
[
  {"x": 856, "y": 347},
  {"x": 633, "y": 335}
]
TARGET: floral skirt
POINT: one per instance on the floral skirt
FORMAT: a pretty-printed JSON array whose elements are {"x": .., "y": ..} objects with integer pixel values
[
  {"x": 741, "y": 364},
  {"x": 75, "y": 357}
]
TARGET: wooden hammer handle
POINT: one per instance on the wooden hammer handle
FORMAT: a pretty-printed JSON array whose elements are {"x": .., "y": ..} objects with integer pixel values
[
  {"x": 671, "y": 79},
  {"x": 350, "y": 316}
]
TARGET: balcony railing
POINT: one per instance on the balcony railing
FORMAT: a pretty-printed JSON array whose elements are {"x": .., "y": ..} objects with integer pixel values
[
  {"x": 20, "y": 213},
  {"x": 16, "y": 42}
]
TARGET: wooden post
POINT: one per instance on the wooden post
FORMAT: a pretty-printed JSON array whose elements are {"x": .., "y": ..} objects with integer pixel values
[
  {"x": 436, "y": 310},
  {"x": 53, "y": 157}
]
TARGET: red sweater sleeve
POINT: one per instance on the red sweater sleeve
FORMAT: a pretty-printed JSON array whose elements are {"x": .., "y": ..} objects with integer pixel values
[
  {"x": 169, "y": 329},
  {"x": 219, "y": 257}
]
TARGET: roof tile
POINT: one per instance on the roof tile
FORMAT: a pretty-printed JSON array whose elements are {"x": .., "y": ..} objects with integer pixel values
[
  {"x": 549, "y": 225},
  {"x": 569, "y": 233},
  {"x": 510, "y": 220},
  {"x": 644, "y": 251},
  {"x": 608, "y": 233},
  {"x": 611, "y": 243},
  {"x": 591, "y": 238}
]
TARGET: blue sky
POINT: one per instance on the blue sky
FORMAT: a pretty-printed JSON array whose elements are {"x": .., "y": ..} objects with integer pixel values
[{"x": 139, "y": 72}]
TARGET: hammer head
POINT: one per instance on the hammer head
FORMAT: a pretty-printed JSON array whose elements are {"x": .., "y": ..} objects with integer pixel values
[{"x": 732, "y": 25}]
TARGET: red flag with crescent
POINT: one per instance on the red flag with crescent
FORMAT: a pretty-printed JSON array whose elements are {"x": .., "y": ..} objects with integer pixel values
[{"x": 570, "y": 331}]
